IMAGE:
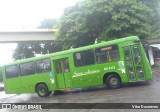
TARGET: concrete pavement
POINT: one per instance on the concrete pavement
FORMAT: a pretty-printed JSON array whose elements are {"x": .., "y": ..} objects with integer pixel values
[{"x": 156, "y": 70}]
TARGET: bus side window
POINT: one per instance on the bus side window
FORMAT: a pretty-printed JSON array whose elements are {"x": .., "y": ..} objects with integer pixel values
[
  {"x": 84, "y": 58},
  {"x": 12, "y": 71},
  {"x": 27, "y": 68},
  {"x": 137, "y": 56},
  {"x": 66, "y": 65},
  {"x": 114, "y": 53},
  {"x": 58, "y": 65},
  {"x": 43, "y": 65},
  {"x": 127, "y": 55},
  {"x": 107, "y": 54}
]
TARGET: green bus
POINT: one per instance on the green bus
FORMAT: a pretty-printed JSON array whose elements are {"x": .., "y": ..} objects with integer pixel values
[{"x": 111, "y": 63}]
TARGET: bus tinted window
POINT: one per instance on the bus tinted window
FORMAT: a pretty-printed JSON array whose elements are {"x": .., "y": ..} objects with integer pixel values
[
  {"x": 43, "y": 65},
  {"x": 12, "y": 71},
  {"x": 84, "y": 58},
  {"x": 58, "y": 65},
  {"x": 107, "y": 54},
  {"x": 27, "y": 68},
  {"x": 66, "y": 65},
  {"x": 127, "y": 55},
  {"x": 137, "y": 56}
]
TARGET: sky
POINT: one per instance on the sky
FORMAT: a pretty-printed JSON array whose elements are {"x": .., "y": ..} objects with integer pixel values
[
  {"x": 21, "y": 14},
  {"x": 26, "y": 14}
]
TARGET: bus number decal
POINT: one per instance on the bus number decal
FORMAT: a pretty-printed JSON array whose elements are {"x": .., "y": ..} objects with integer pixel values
[{"x": 110, "y": 68}]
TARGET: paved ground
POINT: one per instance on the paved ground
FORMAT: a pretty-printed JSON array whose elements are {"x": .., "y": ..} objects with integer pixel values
[
  {"x": 133, "y": 93},
  {"x": 156, "y": 70}
]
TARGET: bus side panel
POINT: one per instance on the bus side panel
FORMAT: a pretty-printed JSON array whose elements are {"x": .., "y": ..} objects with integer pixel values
[
  {"x": 12, "y": 85},
  {"x": 92, "y": 75},
  {"x": 87, "y": 76},
  {"x": 82, "y": 76},
  {"x": 28, "y": 82},
  {"x": 116, "y": 68},
  {"x": 75, "y": 81},
  {"x": 52, "y": 83},
  {"x": 48, "y": 79}
]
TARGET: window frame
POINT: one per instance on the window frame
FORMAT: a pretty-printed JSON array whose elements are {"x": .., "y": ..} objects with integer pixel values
[
  {"x": 107, "y": 54},
  {"x": 14, "y": 76},
  {"x": 41, "y": 60},
  {"x": 55, "y": 64},
  {"x": 27, "y": 74},
  {"x": 64, "y": 65},
  {"x": 74, "y": 57}
]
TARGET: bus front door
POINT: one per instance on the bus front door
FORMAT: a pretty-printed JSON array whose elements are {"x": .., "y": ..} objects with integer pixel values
[
  {"x": 62, "y": 71},
  {"x": 134, "y": 65}
]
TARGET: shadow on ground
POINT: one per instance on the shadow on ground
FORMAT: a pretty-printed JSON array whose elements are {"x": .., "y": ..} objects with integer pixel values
[{"x": 100, "y": 88}]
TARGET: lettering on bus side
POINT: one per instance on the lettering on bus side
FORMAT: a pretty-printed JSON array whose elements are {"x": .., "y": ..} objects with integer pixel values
[
  {"x": 110, "y": 68},
  {"x": 76, "y": 74}
]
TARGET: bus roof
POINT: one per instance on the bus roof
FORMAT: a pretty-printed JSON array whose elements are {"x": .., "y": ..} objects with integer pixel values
[{"x": 131, "y": 38}]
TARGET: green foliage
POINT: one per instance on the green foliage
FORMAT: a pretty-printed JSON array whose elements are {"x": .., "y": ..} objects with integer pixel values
[
  {"x": 155, "y": 6},
  {"x": 23, "y": 51},
  {"x": 104, "y": 20},
  {"x": 101, "y": 20},
  {"x": 31, "y": 49}
]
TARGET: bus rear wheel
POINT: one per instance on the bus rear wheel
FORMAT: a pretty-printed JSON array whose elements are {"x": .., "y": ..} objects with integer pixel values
[
  {"x": 113, "y": 81},
  {"x": 42, "y": 90}
]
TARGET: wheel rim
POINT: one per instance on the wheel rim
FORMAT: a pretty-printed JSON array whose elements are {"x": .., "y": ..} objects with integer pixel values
[
  {"x": 114, "y": 81},
  {"x": 41, "y": 91}
]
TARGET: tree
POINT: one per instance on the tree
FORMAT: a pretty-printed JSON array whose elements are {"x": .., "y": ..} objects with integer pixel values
[
  {"x": 23, "y": 50},
  {"x": 30, "y": 49},
  {"x": 105, "y": 20},
  {"x": 155, "y": 6}
]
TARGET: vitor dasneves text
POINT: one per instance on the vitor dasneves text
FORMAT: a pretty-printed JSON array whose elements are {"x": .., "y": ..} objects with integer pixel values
[{"x": 144, "y": 106}]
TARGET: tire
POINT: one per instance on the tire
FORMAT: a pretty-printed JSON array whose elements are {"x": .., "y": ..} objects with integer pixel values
[
  {"x": 113, "y": 81},
  {"x": 42, "y": 90}
]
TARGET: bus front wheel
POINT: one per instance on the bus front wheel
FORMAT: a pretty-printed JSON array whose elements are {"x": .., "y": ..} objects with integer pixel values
[
  {"x": 113, "y": 81},
  {"x": 42, "y": 90}
]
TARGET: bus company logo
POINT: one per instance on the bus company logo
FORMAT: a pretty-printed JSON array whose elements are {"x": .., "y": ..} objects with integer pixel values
[
  {"x": 85, "y": 73},
  {"x": 6, "y": 106}
]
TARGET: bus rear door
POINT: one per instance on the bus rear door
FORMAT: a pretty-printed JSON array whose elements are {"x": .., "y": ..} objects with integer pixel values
[{"x": 134, "y": 64}]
